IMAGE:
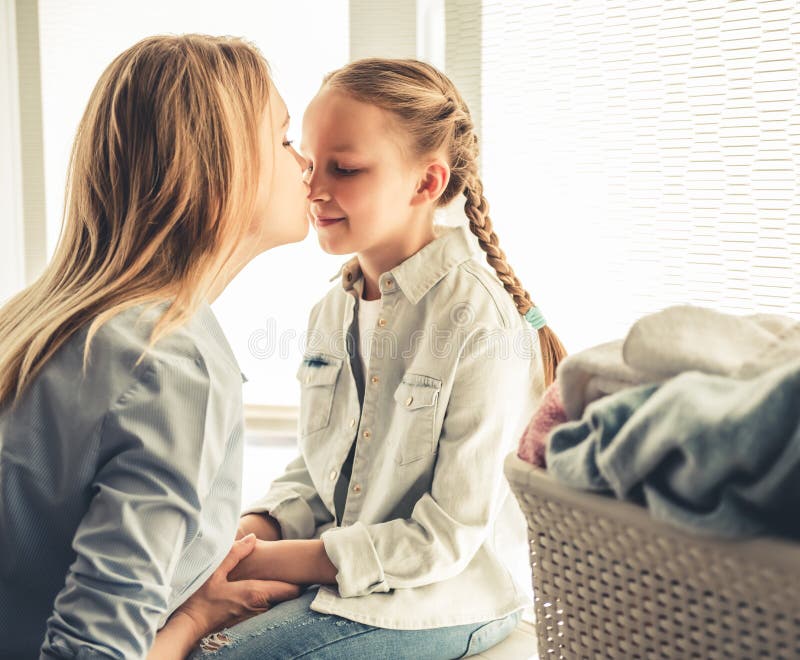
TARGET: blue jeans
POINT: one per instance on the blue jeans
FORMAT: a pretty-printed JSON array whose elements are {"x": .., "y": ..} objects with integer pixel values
[{"x": 293, "y": 630}]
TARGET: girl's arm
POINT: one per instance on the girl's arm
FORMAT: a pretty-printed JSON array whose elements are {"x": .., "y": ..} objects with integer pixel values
[
  {"x": 449, "y": 523},
  {"x": 291, "y": 509},
  {"x": 263, "y": 525},
  {"x": 299, "y": 562}
]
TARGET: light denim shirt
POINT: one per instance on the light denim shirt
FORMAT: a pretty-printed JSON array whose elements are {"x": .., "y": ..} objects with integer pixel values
[
  {"x": 120, "y": 491},
  {"x": 451, "y": 369}
]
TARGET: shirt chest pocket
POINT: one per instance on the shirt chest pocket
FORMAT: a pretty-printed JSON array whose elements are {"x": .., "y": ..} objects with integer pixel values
[
  {"x": 416, "y": 398},
  {"x": 317, "y": 375}
]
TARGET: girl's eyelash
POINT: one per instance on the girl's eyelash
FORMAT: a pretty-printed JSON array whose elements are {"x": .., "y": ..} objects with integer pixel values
[
  {"x": 288, "y": 143},
  {"x": 339, "y": 170}
]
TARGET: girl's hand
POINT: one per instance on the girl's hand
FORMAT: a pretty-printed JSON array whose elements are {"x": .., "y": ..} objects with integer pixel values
[{"x": 219, "y": 603}]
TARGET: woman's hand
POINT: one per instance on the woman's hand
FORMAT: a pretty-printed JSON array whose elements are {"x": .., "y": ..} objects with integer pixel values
[
  {"x": 263, "y": 525},
  {"x": 219, "y": 604}
]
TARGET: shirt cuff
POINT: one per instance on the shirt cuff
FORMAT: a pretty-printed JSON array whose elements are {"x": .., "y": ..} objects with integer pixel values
[
  {"x": 293, "y": 514},
  {"x": 351, "y": 550}
]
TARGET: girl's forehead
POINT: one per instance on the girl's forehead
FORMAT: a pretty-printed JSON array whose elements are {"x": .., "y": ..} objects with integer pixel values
[{"x": 332, "y": 113}]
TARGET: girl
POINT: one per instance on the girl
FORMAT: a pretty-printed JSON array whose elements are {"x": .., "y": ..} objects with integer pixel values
[
  {"x": 417, "y": 363},
  {"x": 120, "y": 399}
]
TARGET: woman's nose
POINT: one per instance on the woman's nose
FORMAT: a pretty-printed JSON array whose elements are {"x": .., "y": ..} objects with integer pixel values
[{"x": 302, "y": 162}]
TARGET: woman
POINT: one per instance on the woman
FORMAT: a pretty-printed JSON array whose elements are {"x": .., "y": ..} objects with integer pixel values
[{"x": 120, "y": 399}]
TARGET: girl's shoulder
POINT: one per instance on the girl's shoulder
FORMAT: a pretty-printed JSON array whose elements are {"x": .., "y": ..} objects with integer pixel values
[{"x": 477, "y": 289}]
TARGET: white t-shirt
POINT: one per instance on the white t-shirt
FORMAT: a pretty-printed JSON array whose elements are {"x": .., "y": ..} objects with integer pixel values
[{"x": 368, "y": 311}]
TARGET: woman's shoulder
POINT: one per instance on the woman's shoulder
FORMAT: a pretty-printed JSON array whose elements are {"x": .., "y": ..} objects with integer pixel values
[
  {"x": 79, "y": 389},
  {"x": 124, "y": 341},
  {"x": 120, "y": 353}
]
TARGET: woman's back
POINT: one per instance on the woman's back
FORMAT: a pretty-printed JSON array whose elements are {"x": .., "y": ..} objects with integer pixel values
[{"x": 82, "y": 457}]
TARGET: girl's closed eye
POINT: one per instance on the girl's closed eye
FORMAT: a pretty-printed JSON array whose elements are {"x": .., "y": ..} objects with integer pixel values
[{"x": 346, "y": 171}]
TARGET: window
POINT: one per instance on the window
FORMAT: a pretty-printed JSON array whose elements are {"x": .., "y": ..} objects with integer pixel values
[
  {"x": 640, "y": 154},
  {"x": 265, "y": 310}
]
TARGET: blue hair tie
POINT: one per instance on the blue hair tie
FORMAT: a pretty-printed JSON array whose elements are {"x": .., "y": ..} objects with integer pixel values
[{"x": 535, "y": 317}]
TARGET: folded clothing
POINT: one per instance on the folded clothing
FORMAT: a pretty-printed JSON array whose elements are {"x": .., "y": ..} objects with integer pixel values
[
  {"x": 678, "y": 339},
  {"x": 717, "y": 453}
]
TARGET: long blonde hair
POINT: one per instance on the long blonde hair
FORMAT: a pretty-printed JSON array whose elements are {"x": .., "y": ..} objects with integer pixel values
[
  {"x": 435, "y": 117},
  {"x": 161, "y": 188}
]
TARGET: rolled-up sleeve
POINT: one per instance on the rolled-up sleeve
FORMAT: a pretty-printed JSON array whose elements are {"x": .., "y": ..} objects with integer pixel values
[
  {"x": 294, "y": 502},
  {"x": 154, "y": 470},
  {"x": 449, "y": 524}
]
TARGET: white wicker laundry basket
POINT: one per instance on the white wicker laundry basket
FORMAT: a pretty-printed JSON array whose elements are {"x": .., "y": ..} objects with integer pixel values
[{"x": 611, "y": 582}]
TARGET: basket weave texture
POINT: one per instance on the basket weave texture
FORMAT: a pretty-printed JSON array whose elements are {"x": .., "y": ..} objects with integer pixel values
[{"x": 611, "y": 582}]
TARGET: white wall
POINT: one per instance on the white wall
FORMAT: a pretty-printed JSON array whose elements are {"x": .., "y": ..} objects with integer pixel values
[
  {"x": 11, "y": 244},
  {"x": 383, "y": 28}
]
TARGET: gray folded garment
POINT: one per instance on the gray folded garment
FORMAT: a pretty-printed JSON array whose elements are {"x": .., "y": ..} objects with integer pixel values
[
  {"x": 677, "y": 339},
  {"x": 719, "y": 454}
]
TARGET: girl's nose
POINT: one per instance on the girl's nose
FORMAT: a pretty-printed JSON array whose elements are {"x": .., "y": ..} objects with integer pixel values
[{"x": 317, "y": 191}]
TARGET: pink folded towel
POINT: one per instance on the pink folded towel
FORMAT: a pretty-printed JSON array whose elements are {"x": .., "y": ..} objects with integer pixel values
[{"x": 549, "y": 414}]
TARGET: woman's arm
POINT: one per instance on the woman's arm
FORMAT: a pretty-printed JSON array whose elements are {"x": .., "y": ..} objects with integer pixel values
[
  {"x": 146, "y": 495},
  {"x": 218, "y": 604},
  {"x": 176, "y": 639}
]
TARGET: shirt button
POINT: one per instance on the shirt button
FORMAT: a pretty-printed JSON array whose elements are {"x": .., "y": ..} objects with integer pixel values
[
  {"x": 333, "y": 475},
  {"x": 375, "y": 380},
  {"x": 382, "y": 323},
  {"x": 352, "y": 422},
  {"x": 390, "y": 283},
  {"x": 356, "y": 488},
  {"x": 409, "y": 401},
  {"x": 367, "y": 435}
]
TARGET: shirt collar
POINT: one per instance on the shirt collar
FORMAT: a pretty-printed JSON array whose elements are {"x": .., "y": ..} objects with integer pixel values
[{"x": 420, "y": 272}]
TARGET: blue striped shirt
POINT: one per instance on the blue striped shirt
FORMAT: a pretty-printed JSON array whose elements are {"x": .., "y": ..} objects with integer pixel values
[{"x": 119, "y": 490}]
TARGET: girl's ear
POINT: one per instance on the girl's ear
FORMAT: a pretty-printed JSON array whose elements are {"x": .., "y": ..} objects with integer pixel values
[{"x": 433, "y": 182}]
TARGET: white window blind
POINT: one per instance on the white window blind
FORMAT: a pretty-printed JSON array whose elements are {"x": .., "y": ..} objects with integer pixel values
[{"x": 643, "y": 153}]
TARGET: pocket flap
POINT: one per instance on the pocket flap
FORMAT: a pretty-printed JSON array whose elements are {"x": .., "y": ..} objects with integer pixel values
[
  {"x": 317, "y": 370},
  {"x": 417, "y": 391}
]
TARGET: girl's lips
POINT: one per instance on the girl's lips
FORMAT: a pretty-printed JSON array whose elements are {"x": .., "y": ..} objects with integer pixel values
[{"x": 326, "y": 222}]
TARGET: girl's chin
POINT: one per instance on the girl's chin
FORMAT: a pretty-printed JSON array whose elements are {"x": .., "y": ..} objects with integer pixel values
[{"x": 332, "y": 246}]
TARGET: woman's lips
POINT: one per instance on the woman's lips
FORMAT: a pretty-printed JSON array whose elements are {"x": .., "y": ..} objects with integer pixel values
[{"x": 326, "y": 222}]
